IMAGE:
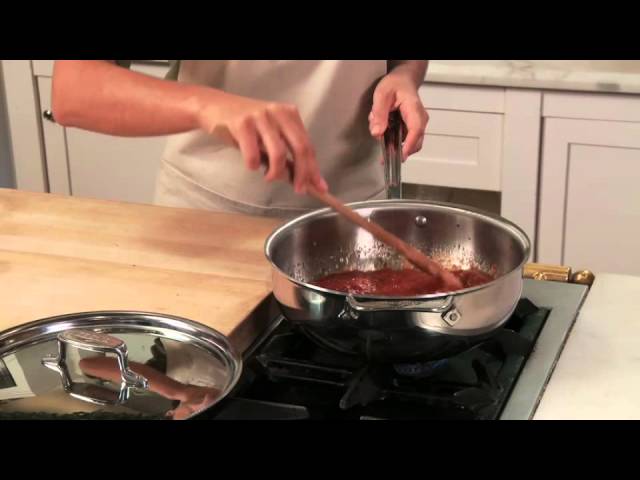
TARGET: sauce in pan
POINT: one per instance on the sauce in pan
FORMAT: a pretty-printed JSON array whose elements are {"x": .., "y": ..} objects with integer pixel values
[{"x": 398, "y": 283}]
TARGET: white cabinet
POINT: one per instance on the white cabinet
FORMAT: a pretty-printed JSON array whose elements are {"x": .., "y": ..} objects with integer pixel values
[
  {"x": 483, "y": 138},
  {"x": 462, "y": 147},
  {"x": 113, "y": 168},
  {"x": 72, "y": 161},
  {"x": 460, "y": 150},
  {"x": 590, "y": 195},
  {"x": 98, "y": 166},
  {"x": 6, "y": 165}
]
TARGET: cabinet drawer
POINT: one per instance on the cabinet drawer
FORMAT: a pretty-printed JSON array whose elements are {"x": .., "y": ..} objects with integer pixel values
[
  {"x": 463, "y": 98},
  {"x": 460, "y": 150}
]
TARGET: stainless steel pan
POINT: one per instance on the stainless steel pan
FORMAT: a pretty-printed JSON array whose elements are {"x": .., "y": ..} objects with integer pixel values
[{"x": 390, "y": 328}]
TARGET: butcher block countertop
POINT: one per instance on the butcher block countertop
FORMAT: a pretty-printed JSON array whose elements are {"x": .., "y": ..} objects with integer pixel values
[{"x": 62, "y": 255}]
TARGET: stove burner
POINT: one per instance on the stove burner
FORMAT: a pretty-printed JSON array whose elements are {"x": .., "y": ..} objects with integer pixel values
[
  {"x": 420, "y": 370},
  {"x": 362, "y": 389},
  {"x": 292, "y": 371}
]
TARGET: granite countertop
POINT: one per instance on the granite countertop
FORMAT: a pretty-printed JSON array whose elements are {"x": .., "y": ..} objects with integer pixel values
[
  {"x": 617, "y": 76},
  {"x": 598, "y": 376}
]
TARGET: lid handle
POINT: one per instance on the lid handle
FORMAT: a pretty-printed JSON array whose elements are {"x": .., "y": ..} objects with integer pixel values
[{"x": 101, "y": 343}]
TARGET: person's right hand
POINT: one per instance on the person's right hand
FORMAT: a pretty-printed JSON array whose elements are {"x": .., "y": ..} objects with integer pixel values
[{"x": 263, "y": 129}]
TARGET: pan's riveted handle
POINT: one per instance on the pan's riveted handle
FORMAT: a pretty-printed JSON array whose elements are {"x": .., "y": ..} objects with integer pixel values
[{"x": 450, "y": 315}]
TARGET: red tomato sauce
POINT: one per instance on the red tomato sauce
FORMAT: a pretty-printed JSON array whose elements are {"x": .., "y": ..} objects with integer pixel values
[{"x": 398, "y": 283}]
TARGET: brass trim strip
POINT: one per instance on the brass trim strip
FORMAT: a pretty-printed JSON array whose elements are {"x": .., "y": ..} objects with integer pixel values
[{"x": 557, "y": 273}]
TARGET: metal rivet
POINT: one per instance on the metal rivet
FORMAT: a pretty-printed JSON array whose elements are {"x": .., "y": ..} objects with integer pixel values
[
  {"x": 421, "y": 221},
  {"x": 451, "y": 317}
]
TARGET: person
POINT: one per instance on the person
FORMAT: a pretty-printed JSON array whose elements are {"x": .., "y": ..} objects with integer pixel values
[{"x": 225, "y": 119}]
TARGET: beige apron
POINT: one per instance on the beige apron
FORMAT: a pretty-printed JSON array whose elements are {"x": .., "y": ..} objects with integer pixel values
[{"x": 334, "y": 99}]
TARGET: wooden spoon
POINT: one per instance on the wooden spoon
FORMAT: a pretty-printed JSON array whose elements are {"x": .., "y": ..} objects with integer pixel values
[
  {"x": 415, "y": 256},
  {"x": 412, "y": 254}
]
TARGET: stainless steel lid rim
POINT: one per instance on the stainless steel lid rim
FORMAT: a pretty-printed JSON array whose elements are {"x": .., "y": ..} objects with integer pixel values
[
  {"x": 133, "y": 320},
  {"x": 218, "y": 373}
]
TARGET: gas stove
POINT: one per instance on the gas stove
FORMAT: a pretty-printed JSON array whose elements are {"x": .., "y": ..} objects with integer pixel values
[{"x": 286, "y": 376}]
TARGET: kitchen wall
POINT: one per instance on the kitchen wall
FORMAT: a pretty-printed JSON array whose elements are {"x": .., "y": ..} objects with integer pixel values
[{"x": 6, "y": 164}]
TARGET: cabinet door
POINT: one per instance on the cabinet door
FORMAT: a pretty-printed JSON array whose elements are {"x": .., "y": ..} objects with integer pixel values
[
  {"x": 100, "y": 166},
  {"x": 460, "y": 150},
  {"x": 113, "y": 168},
  {"x": 55, "y": 144},
  {"x": 590, "y": 200}
]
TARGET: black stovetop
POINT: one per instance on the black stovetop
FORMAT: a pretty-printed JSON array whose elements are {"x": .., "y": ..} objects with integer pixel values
[{"x": 289, "y": 377}]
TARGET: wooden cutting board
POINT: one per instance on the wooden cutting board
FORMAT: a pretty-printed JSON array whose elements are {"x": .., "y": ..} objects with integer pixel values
[{"x": 63, "y": 255}]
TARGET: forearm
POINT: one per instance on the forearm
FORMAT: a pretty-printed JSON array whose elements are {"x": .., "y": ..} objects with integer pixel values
[
  {"x": 105, "y": 98},
  {"x": 415, "y": 69}
]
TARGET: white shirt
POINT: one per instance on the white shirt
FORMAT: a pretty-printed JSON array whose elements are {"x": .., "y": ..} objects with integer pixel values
[{"x": 334, "y": 99}]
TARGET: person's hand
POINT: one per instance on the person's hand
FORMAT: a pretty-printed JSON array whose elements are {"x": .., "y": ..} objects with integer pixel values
[
  {"x": 398, "y": 91},
  {"x": 263, "y": 129},
  {"x": 192, "y": 400}
]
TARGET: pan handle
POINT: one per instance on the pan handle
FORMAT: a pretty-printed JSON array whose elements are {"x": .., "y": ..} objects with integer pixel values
[
  {"x": 446, "y": 308},
  {"x": 391, "y": 143}
]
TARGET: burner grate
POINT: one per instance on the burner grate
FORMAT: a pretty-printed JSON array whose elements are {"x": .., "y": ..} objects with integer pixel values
[{"x": 289, "y": 369}]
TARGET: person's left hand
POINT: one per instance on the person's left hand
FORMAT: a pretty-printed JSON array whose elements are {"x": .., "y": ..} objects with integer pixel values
[{"x": 398, "y": 91}]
